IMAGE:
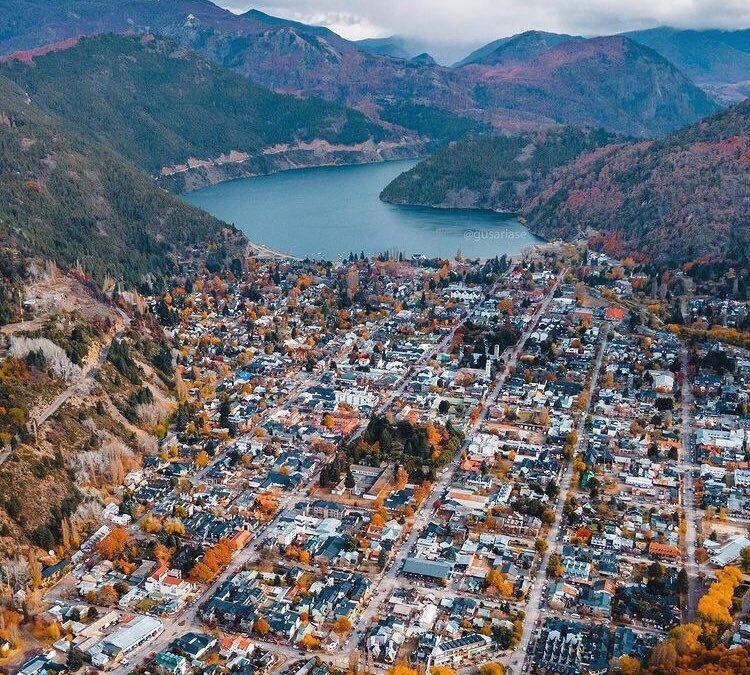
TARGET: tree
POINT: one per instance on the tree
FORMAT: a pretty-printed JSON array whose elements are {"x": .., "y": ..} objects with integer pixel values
[
  {"x": 442, "y": 670},
  {"x": 379, "y": 518},
  {"x": 75, "y": 660},
  {"x": 114, "y": 544},
  {"x": 401, "y": 668},
  {"x": 663, "y": 657},
  {"x": 496, "y": 580},
  {"x": 224, "y": 411},
  {"x": 555, "y": 568},
  {"x": 202, "y": 459},
  {"x": 261, "y": 627},
  {"x": 714, "y": 607},
  {"x": 162, "y": 553},
  {"x": 745, "y": 559},
  {"x": 492, "y": 668},
  {"x": 342, "y": 625},
  {"x": 309, "y": 641},
  {"x": 42, "y": 536},
  {"x": 201, "y": 573},
  {"x": 685, "y": 638},
  {"x": 627, "y": 665}
]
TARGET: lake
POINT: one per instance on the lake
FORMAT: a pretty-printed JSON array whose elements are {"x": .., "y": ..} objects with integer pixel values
[{"x": 328, "y": 212}]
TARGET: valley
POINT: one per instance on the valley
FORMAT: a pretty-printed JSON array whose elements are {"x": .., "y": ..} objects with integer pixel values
[{"x": 415, "y": 343}]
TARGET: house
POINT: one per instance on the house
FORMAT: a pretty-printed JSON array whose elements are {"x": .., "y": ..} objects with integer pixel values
[
  {"x": 663, "y": 551},
  {"x": 168, "y": 582},
  {"x": 133, "y": 634},
  {"x": 172, "y": 663},
  {"x": 436, "y": 570},
  {"x": 452, "y": 650},
  {"x": 194, "y": 645}
]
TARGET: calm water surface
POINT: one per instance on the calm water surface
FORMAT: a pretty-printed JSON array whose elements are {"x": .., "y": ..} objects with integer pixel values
[{"x": 328, "y": 212}]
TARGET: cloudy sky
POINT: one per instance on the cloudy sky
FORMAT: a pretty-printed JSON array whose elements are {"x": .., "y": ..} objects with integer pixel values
[{"x": 468, "y": 21}]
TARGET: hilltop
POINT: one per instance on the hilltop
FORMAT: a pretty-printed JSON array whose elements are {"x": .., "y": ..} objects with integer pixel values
[{"x": 516, "y": 48}]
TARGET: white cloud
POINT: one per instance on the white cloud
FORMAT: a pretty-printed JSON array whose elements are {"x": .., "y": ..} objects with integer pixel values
[{"x": 464, "y": 21}]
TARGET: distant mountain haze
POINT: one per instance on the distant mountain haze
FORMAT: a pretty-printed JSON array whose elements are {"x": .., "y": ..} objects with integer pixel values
[
  {"x": 609, "y": 82},
  {"x": 719, "y": 61},
  {"x": 516, "y": 48}
]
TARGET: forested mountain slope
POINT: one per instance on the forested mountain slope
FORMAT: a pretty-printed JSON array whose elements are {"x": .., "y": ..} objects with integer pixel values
[
  {"x": 69, "y": 199},
  {"x": 158, "y": 104},
  {"x": 610, "y": 82},
  {"x": 494, "y": 173},
  {"x": 682, "y": 198}
]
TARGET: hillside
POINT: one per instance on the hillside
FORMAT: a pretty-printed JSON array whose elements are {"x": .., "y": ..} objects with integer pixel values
[
  {"x": 493, "y": 172},
  {"x": 683, "y": 198},
  {"x": 607, "y": 82},
  {"x": 66, "y": 198},
  {"x": 617, "y": 84},
  {"x": 717, "y": 60},
  {"x": 158, "y": 105},
  {"x": 87, "y": 442}
]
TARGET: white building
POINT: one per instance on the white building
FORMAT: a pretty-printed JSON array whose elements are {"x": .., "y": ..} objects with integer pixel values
[{"x": 729, "y": 552}]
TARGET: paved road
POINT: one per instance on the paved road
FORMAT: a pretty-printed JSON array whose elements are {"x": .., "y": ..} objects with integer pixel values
[
  {"x": 688, "y": 491},
  {"x": 515, "y": 660},
  {"x": 385, "y": 585}
]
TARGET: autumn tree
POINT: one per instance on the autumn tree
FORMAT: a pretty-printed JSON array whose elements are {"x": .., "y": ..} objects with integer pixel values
[
  {"x": 261, "y": 627},
  {"x": 401, "y": 668},
  {"x": 497, "y": 581},
  {"x": 114, "y": 544},
  {"x": 342, "y": 625},
  {"x": 201, "y": 573},
  {"x": 309, "y": 641},
  {"x": 714, "y": 607},
  {"x": 492, "y": 668},
  {"x": 442, "y": 670}
]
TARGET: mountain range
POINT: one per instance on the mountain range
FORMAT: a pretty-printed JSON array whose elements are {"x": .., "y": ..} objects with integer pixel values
[
  {"x": 159, "y": 104},
  {"x": 651, "y": 96},
  {"x": 718, "y": 61}
]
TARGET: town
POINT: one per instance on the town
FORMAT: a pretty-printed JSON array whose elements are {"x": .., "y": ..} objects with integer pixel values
[{"x": 393, "y": 465}]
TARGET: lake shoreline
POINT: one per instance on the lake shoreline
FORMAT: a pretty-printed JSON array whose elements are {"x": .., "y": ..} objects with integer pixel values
[
  {"x": 328, "y": 212},
  {"x": 207, "y": 173}
]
